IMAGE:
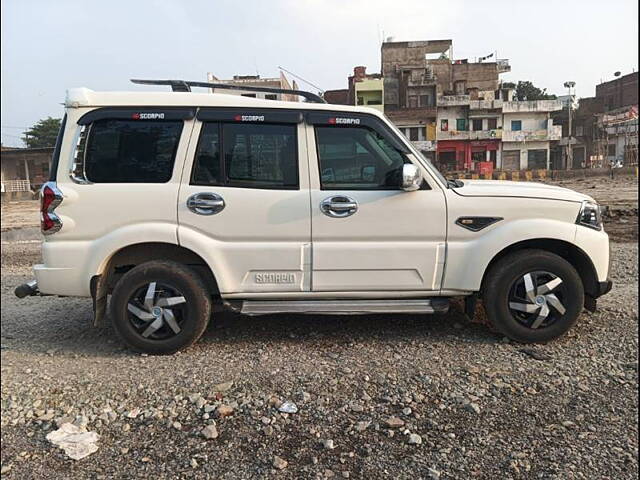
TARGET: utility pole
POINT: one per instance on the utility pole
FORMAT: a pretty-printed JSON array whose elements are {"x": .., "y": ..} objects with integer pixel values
[{"x": 570, "y": 85}]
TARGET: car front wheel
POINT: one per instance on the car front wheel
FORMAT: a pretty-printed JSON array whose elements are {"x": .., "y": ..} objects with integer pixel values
[{"x": 533, "y": 296}]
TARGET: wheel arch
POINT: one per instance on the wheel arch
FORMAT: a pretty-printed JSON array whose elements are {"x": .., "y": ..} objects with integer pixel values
[
  {"x": 570, "y": 252},
  {"x": 129, "y": 256}
]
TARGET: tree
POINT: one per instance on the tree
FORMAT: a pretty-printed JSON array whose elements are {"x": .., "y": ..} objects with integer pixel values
[
  {"x": 526, "y": 90},
  {"x": 43, "y": 133}
]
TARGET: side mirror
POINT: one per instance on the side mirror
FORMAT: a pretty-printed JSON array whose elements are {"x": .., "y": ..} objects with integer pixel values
[{"x": 411, "y": 177}]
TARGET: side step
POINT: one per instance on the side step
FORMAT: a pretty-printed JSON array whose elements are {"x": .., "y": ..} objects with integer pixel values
[{"x": 342, "y": 307}]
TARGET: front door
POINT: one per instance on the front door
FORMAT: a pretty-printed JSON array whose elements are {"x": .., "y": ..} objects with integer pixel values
[
  {"x": 244, "y": 200},
  {"x": 368, "y": 234}
]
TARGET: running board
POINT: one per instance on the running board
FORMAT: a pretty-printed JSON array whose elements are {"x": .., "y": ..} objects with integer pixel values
[{"x": 342, "y": 307}]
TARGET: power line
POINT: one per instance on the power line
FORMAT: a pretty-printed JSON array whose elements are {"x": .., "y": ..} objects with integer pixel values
[
  {"x": 302, "y": 79},
  {"x": 17, "y": 128}
]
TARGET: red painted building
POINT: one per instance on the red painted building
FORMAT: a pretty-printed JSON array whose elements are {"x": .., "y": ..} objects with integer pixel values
[{"x": 465, "y": 155}]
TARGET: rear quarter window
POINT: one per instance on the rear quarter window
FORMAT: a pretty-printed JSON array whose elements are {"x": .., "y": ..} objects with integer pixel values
[{"x": 131, "y": 151}]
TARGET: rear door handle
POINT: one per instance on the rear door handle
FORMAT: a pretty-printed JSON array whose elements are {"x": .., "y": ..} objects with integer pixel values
[
  {"x": 205, "y": 203},
  {"x": 339, "y": 206}
]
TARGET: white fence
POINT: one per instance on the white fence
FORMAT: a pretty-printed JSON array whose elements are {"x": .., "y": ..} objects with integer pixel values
[{"x": 16, "y": 186}]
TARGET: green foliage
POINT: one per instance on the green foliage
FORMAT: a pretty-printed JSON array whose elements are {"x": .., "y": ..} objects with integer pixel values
[
  {"x": 526, "y": 90},
  {"x": 43, "y": 133}
]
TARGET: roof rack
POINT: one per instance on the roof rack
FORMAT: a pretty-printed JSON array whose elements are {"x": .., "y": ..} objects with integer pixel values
[{"x": 185, "y": 86}]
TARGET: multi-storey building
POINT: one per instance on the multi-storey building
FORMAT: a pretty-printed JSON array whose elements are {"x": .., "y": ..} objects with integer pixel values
[
  {"x": 604, "y": 128},
  {"x": 527, "y": 133},
  {"x": 363, "y": 89},
  {"x": 426, "y": 93}
]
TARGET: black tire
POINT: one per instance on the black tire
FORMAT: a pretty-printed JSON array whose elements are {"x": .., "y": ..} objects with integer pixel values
[
  {"x": 172, "y": 280},
  {"x": 505, "y": 286}
]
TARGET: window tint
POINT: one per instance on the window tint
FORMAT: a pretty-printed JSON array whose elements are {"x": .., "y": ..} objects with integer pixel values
[
  {"x": 131, "y": 151},
  {"x": 206, "y": 169},
  {"x": 255, "y": 155},
  {"x": 357, "y": 158},
  {"x": 260, "y": 155}
]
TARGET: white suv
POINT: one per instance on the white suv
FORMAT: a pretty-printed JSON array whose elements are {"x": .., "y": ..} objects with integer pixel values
[{"x": 176, "y": 202}]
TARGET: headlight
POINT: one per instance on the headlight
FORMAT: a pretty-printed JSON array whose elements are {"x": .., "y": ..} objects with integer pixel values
[{"x": 590, "y": 215}]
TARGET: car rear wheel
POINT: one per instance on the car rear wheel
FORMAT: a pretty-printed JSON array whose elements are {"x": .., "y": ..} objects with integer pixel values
[
  {"x": 533, "y": 296},
  {"x": 160, "y": 307}
]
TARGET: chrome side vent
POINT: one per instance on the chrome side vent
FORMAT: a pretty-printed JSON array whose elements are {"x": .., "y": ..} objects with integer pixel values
[{"x": 78, "y": 174}]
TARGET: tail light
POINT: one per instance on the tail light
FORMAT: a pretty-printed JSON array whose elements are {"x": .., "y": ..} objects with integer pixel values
[{"x": 50, "y": 198}]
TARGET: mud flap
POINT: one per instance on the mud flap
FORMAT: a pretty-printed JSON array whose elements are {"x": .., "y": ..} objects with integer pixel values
[{"x": 98, "y": 287}]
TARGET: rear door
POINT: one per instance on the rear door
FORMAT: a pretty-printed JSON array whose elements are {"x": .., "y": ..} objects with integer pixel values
[
  {"x": 244, "y": 200},
  {"x": 369, "y": 234}
]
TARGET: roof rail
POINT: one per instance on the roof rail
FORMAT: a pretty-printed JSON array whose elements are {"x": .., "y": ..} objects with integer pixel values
[{"x": 185, "y": 86}]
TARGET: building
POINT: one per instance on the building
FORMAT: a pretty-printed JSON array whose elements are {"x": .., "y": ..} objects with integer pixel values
[
  {"x": 24, "y": 170},
  {"x": 363, "y": 89},
  {"x": 429, "y": 97},
  {"x": 527, "y": 133},
  {"x": 604, "y": 128},
  {"x": 257, "y": 81}
]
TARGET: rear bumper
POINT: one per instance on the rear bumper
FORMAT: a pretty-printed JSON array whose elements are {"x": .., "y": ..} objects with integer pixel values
[{"x": 61, "y": 281}]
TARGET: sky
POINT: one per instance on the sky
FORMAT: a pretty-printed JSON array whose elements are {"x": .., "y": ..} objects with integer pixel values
[{"x": 49, "y": 46}]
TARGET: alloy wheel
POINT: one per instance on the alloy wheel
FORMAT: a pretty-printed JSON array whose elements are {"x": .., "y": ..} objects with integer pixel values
[
  {"x": 157, "y": 311},
  {"x": 536, "y": 299}
]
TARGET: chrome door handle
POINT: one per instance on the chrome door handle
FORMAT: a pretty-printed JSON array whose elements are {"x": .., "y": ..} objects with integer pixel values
[
  {"x": 339, "y": 206},
  {"x": 205, "y": 203}
]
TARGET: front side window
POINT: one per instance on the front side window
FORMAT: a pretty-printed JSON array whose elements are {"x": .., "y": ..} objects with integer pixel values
[
  {"x": 131, "y": 151},
  {"x": 254, "y": 156},
  {"x": 357, "y": 158}
]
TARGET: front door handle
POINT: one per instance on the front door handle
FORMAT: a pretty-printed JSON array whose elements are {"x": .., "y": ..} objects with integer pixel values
[
  {"x": 205, "y": 203},
  {"x": 339, "y": 206}
]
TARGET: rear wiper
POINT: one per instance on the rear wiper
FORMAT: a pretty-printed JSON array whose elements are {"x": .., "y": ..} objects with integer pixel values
[{"x": 454, "y": 183}]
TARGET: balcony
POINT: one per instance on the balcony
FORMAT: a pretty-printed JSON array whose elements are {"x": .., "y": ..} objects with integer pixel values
[
  {"x": 485, "y": 104},
  {"x": 424, "y": 145},
  {"x": 494, "y": 134},
  {"x": 453, "y": 135},
  {"x": 453, "y": 100},
  {"x": 532, "y": 106},
  {"x": 544, "y": 135}
]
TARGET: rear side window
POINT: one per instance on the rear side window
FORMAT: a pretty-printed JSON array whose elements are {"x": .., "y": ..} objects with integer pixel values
[
  {"x": 131, "y": 151},
  {"x": 253, "y": 156}
]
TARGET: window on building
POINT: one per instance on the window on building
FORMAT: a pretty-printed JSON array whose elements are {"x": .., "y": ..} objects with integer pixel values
[
  {"x": 426, "y": 101},
  {"x": 579, "y": 130},
  {"x": 271, "y": 96},
  {"x": 413, "y": 134},
  {"x": 460, "y": 87},
  {"x": 493, "y": 157},
  {"x": 414, "y": 101},
  {"x": 374, "y": 101},
  {"x": 461, "y": 124},
  {"x": 492, "y": 123},
  {"x": 611, "y": 150},
  {"x": 131, "y": 151},
  {"x": 360, "y": 100},
  {"x": 251, "y": 95},
  {"x": 476, "y": 124},
  {"x": 516, "y": 125},
  {"x": 357, "y": 158},
  {"x": 444, "y": 125},
  {"x": 479, "y": 156},
  {"x": 537, "y": 159},
  {"x": 255, "y": 156}
]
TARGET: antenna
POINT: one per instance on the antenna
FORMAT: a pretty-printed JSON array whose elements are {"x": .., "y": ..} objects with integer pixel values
[{"x": 302, "y": 79}]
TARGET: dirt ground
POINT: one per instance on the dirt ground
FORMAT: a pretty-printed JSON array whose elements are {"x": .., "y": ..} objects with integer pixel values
[{"x": 378, "y": 396}]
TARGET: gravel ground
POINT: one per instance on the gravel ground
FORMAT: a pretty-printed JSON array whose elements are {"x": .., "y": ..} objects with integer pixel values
[{"x": 378, "y": 396}]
